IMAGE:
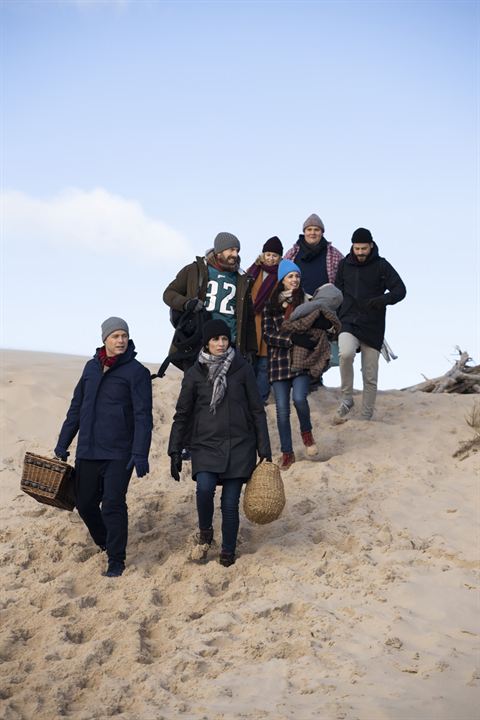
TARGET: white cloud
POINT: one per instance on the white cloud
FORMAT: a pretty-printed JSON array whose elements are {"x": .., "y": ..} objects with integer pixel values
[{"x": 96, "y": 221}]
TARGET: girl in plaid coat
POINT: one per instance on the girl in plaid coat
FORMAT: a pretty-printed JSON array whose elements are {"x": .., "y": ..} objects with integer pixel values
[{"x": 285, "y": 381}]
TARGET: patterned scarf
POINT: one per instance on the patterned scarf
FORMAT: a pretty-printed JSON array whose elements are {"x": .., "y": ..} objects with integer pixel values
[
  {"x": 106, "y": 362},
  {"x": 218, "y": 366}
]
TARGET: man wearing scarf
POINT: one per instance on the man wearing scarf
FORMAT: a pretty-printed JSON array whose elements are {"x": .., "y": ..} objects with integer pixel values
[
  {"x": 315, "y": 256},
  {"x": 264, "y": 273},
  {"x": 216, "y": 283}
]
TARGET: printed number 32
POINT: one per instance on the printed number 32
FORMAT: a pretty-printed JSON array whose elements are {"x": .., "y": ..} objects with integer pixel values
[{"x": 211, "y": 297}]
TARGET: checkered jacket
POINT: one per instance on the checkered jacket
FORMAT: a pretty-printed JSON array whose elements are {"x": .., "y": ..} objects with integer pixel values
[{"x": 278, "y": 344}]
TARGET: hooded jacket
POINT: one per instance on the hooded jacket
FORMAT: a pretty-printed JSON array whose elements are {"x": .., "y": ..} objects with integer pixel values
[
  {"x": 111, "y": 410},
  {"x": 361, "y": 282},
  {"x": 191, "y": 282},
  {"x": 224, "y": 442}
]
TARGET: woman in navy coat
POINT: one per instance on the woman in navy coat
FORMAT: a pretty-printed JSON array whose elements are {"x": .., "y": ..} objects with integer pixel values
[{"x": 220, "y": 417}]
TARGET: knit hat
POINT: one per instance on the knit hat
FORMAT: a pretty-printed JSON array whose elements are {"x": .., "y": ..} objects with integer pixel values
[
  {"x": 225, "y": 241},
  {"x": 285, "y": 267},
  {"x": 314, "y": 221},
  {"x": 361, "y": 236},
  {"x": 274, "y": 245},
  {"x": 111, "y": 324},
  {"x": 215, "y": 328}
]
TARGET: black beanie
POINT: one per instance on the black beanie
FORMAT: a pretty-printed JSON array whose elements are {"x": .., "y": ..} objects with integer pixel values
[
  {"x": 362, "y": 235},
  {"x": 215, "y": 328},
  {"x": 274, "y": 245}
]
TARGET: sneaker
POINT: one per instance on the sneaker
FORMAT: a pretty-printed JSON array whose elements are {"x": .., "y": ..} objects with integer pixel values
[
  {"x": 226, "y": 559},
  {"x": 115, "y": 569},
  {"x": 344, "y": 408},
  {"x": 288, "y": 458},
  {"x": 309, "y": 443}
]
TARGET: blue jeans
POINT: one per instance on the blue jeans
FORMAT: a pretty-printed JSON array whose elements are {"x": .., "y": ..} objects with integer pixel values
[
  {"x": 105, "y": 483},
  {"x": 231, "y": 489},
  {"x": 300, "y": 387},
  {"x": 261, "y": 372}
]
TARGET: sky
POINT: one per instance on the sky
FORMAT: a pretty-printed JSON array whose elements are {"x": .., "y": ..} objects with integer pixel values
[{"x": 132, "y": 132}]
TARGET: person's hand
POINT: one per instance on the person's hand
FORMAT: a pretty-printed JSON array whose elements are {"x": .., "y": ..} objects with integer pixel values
[
  {"x": 377, "y": 303},
  {"x": 303, "y": 340},
  {"x": 175, "y": 465},
  {"x": 193, "y": 305},
  {"x": 267, "y": 458},
  {"x": 61, "y": 453},
  {"x": 140, "y": 464}
]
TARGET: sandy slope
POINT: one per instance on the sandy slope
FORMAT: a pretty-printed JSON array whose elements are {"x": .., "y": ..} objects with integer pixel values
[{"x": 361, "y": 602}]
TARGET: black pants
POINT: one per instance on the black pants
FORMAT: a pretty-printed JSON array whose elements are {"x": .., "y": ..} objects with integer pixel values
[{"x": 104, "y": 482}]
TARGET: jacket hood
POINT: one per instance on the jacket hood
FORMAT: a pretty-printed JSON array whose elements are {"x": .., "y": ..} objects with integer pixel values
[{"x": 128, "y": 355}]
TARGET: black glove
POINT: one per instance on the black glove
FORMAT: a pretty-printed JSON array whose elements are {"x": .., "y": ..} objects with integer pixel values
[
  {"x": 175, "y": 465},
  {"x": 140, "y": 464},
  {"x": 193, "y": 305},
  {"x": 61, "y": 453},
  {"x": 322, "y": 323},
  {"x": 267, "y": 458},
  {"x": 303, "y": 340},
  {"x": 377, "y": 303}
]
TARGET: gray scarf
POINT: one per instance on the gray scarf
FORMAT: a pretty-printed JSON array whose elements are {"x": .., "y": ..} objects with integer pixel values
[{"x": 218, "y": 366}]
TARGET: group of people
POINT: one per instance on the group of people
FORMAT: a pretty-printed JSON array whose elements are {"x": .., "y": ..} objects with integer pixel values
[{"x": 245, "y": 334}]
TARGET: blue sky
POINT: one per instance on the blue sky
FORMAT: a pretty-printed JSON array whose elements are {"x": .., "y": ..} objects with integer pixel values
[{"x": 133, "y": 132}]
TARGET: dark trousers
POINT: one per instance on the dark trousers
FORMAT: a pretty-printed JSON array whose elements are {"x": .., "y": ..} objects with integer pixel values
[
  {"x": 231, "y": 489},
  {"x": 105, "y": 483}
]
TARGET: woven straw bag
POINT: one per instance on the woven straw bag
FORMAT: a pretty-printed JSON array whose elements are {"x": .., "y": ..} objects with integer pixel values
[
  {"x": 264, "y": 497},
  {"x": 49, "y": 481}
]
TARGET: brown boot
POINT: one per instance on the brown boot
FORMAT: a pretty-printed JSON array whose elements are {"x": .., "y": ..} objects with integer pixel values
[
  {"x": 288, "y": 458},
  {"x": 309, "y": 443}
]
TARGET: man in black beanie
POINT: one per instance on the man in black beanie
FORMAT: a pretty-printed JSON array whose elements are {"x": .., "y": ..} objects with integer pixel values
[
  {"x": 368, "y": 283},
  {"x": 216, "y": 283}
]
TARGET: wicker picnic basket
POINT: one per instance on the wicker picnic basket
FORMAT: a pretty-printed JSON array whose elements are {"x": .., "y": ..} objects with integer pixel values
[
  {"x": 264, "y": 497},
  {"x": 48, "y": 480}
]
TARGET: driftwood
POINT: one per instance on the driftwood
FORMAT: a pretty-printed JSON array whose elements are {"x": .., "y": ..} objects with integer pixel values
[
  {"x": 468, "y": 447},
  {"x": 461, "y": 378}
]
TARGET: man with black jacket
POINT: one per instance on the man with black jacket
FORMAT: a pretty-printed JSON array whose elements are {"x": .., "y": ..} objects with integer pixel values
[
  {"x": 368, "y": 283},
  {"x": 111, "y": 410}
]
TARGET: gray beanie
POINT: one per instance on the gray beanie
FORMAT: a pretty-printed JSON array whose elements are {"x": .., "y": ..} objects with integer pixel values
[
  {"x": 314, "y": 221},
  {"x": 111, "y": 324},
  {"x": 224, "y": 241}
]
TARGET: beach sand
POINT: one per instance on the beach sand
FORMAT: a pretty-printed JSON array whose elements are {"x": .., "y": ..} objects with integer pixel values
[{"x": 360, "y": 603}]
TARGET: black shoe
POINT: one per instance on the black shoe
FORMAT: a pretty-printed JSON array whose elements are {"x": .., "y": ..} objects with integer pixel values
[
  {"x": 115, "y": 569},
  {"x": 226, "y": 559},
  {"x": 205, "y": 537}
]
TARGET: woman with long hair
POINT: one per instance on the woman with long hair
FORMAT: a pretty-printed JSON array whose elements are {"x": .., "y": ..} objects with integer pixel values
[
  {"x": 264, "y": 274},
  {"x": 285, "y": 381},
  {"x": 220, "y": 417}
]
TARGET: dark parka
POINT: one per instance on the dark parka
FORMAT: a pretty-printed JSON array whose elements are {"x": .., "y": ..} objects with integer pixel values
[
  {"x": 111, "y": 410},
  {"x": 225, "y": 442},
  {"x": 192, "y": 281},
  {"x": 360, "y": 282}
]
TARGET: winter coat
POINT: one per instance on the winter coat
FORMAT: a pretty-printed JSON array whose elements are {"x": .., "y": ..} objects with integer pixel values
[
  {"x": 227, "y": 441},
  {"x": 192, "y": 281},
  {"x": 360, "y": 282},
  {"x": 318, "y": 270},
  {"x": 316, "y": 360},
  {"x": 278, "y": 343},
  {"x": 111, "y": 410}
]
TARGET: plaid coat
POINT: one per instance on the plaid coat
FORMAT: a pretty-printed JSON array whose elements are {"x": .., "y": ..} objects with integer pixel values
[
  {"x": 278, "y": 344},
  {"x": 333, "y": 258},
  {"x": 316, "y": 360}
]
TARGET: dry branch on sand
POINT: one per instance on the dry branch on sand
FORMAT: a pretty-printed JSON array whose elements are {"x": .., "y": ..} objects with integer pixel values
[
  {"x": 461, "y": 378},
  {"x": 473, "y": 445}
]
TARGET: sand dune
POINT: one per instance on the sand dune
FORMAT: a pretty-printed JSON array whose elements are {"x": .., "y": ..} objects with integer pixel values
[{"x": 359, "y": 603}]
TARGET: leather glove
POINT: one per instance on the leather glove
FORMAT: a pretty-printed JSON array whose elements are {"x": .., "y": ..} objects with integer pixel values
[
  {"x": 193, "y": 305},
  {"x": 175, "y": 465},
  {"x": 140, "y": 464},
  {"x": 377, "y": 303},
  {"x": 61, "y": 453},
  {"x": 303, "y": 340}
]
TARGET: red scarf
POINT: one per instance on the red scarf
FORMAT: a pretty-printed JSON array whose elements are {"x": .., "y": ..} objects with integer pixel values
[{"x": 105, "y": 360}]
